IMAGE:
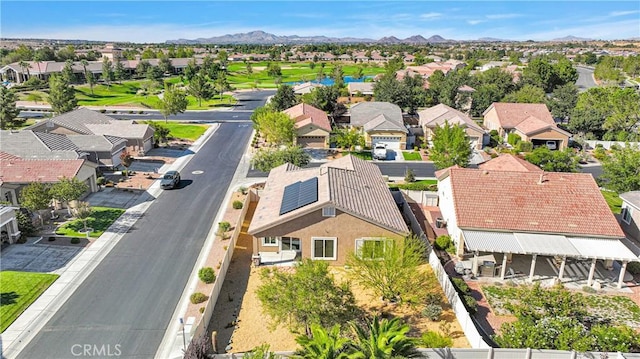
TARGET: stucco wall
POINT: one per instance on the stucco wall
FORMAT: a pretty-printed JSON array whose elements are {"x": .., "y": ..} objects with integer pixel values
[
  {"x": 311, "y": 131},
  {"x": 492, "y": 122},
  {"x": 547, "y": 135},
  {"x": 445, "y": 202},
  {"x": 345, "y": 227},
  {"x": 403, "y": 137},
  {"x": 633, "y": 228}
]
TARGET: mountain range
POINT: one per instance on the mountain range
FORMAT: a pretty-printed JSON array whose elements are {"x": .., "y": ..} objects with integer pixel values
[{"x": 261, "y": 37}]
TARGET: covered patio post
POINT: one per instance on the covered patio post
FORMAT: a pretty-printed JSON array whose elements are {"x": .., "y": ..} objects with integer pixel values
[
  {"x": 474, "y": 265},
  {"x": 503, "y": 270},
  {"x": 561, "y": 272},
  {"x": 622, "y": 272},
  {"x": 533, "y": 267},
  {"x": 592, "y": 271}
]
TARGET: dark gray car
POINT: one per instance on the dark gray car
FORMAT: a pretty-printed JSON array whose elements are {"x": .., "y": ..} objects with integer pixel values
[{"x": 170, "y": 180}]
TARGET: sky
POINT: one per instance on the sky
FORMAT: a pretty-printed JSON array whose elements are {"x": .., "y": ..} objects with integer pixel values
[{"x": 158, "y": 21}]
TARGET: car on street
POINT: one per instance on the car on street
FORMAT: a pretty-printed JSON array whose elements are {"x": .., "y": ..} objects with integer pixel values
[
  {"x": 170, "y": 180},
  {"x": 380, "y": 151}
]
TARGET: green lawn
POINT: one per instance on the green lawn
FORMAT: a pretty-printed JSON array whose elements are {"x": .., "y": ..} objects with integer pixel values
[
  {"x": 184, "y": 131},
  {"x": 613, "y": 200},
  {"x": 101, "y": 218},
  {"x": 422, "y": 185},
  {"x": 365, "y": 155},
  {"x": 125, "y": 94},
  {"x": 18, "y": 290},
  {"x": 411, "y": 156}
]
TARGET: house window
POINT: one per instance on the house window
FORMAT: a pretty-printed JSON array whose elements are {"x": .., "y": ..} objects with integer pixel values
[
  {"x": 329, "y": 211},
  {"x": 371, "y": 248},
  {"x": 290, "y": 244},
  {"x": 626, "y": 215},
  {"x": 270, "y": 241},
  {"x": 324, "y": 248}
]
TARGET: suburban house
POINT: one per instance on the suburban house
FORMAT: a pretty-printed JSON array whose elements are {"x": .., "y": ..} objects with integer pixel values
[
  {"x": 103, "y": 150},
  {"x": 531, "y": 121},
  {"x": 630, "y": 216},
  {"x": 312, "y": 126},
  {"x": 324, "y": 213},
  {"x": 9, "y": 232},
  {"x": 305, "y": 87},
  {"x": 16, "y": 172},
  {"x": 509, "y": 162},
  {"x": 555, "y": 218},
  {"x": 139, "y": 137},
  {"x": 380, "y": 122},
  {"x": 360, "y": 88},
  {"x": 437, "y": 115}
]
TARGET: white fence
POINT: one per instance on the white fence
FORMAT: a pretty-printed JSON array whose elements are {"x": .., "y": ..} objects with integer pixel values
[
  {"x": 462, "y": 315},
  {"x": 201, "y": 327}
]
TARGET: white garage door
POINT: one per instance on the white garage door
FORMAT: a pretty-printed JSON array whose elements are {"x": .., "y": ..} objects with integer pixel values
[{"x": 392, "y": 143}]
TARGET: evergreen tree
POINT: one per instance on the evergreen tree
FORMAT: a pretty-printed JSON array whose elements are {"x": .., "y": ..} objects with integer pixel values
[
  {"x": 62, "y": 97},
  {"x": 8, "y": 110}
]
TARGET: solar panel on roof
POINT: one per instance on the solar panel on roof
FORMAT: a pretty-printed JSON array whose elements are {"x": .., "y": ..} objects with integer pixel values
[{"x": 299, "y": 194}]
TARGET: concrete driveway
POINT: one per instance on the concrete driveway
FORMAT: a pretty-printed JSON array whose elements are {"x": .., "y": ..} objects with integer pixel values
[
  {"x": 37, "y": 257},
  {"x": 112, "y": 197}
]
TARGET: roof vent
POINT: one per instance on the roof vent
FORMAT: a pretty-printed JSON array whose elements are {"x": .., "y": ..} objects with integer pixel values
[
  {"x": 542, "y": 179},
  {"x": 485, "y": 172}
]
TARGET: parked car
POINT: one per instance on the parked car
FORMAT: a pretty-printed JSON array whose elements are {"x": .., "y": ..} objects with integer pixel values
[
  {"x": 551, "y": 145},
  {"x": 380, "y": 151},
  {"x": 170, "y": 180}
]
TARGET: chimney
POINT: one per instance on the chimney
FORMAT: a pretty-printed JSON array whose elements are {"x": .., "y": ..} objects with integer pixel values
[{"x": 541, "y": 180}]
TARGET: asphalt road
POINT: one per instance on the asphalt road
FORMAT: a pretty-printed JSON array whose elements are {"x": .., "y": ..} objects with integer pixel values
[
  {"x": 128, "y": 300},
  {"x": 585, "y": 79},
  {"x": 420, "y": 169}
]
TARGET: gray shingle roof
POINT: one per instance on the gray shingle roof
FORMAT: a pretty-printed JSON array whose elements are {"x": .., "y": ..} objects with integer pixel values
[
  {"x": 349, "y": 183},
  {"x": 122, "y": 129},
  {"x": 29, "y": 145},
  {"x": 365, "y": 112},
  {"x": 77, "y": 120},
  {"x": 98, "y": 143},
  {"x": 633, "y": 198}
]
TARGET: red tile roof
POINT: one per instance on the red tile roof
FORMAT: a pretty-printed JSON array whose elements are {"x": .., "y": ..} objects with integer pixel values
[
  {"x": 24, "y": 171},
  {"x": 512, "y": 114},
  {"x": 509, "y": 162},
  {"x": 564, "y": 203},
  {"x": 304, "y": 114}
]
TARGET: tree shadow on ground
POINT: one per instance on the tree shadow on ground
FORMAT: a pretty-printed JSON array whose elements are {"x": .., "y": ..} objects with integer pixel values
[{"x": 8, "y": 298}]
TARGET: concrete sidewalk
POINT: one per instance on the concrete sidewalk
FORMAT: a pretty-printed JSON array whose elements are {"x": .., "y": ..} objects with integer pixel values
[{"x": 16, "y": 337}]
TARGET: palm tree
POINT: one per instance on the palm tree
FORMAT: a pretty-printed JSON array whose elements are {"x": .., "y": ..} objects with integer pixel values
[
  {"x": 384, "y": 339},
  {"x": 323, "y": 344},
  {"x": 25, "y": 66}
]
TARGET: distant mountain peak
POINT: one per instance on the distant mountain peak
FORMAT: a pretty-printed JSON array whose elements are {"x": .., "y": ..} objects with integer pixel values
[{"x": 572, "y": 38}]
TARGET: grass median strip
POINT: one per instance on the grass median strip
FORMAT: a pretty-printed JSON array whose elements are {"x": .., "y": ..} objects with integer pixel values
[{"x": 18, "y": 290}]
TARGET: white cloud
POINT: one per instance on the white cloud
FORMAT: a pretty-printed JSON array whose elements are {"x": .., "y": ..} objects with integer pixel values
[
  {"x": 430, "y": 15},
  {"x": 475, "y": 22},
  {"x": 601, "y": 31},
  {"x": 623, "y": 13},
  {"x": 502, "y": 16}
]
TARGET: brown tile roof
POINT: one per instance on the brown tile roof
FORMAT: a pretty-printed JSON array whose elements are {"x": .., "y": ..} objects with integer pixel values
[
  {"x": 512, "y": 114},
  {"x": 564, "y": 203},
  {"x": 24, "y": 171},
  {"x": 350, "y": 184},
  {"x": 509, "y": 162},
  {"x": 304, "y": 114},
  {"x": 438, "y": 114}
]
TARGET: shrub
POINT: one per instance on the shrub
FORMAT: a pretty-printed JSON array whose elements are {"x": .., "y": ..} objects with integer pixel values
[
  {"x": 75, "y": 240},
  {"x": 197, "y": 298},
  {"x": 237, "y": 204},
  {"x": 461, "y": 285},
  {"x": 443, "y": 242},
  {"x": 409, "y": 176},
  {"x": 435, "y": 340},
  {"x": 25, "y": 225},
  {"x": 433, "y": 298},
  {"x": 201, "y": 310},
  {"x": 513, "y": 139},
  {"x": 588, "y": 289},
  {"x": 432, "y": 311},
  {"x": 224, "y": 226},
  {"x": 207, "y": 275},
  {"x": 633, "y": 268},
  {"x": 243, "y": 190},
  {"x": 100, "y": 181},
  {"x": 524, "y": 146},
  {"x": 471, "y": 304}
]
